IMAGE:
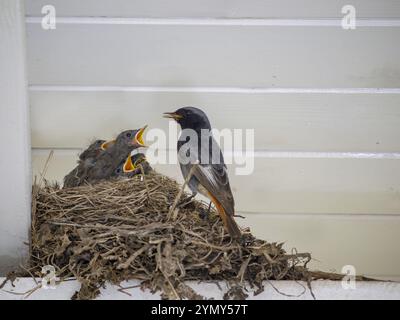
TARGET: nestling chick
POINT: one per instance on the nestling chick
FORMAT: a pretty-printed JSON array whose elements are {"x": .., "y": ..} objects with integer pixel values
[
  {"x": 132, "y": 166},
  {"x": 86, "y": 159},
  {"x": 115, "y": 154},
  {"x": 93, "y": 150}
]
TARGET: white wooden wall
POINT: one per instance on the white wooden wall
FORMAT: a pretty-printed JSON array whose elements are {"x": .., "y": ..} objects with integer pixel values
[
  {"x": 14, "y": 131},
  {"x": 324, "y": 102}
]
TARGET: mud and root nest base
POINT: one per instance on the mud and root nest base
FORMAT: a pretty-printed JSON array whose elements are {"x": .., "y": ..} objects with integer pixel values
[{"x": 125, "y": 229}]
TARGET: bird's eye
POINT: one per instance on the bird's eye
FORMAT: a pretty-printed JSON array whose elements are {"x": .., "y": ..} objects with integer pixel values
[
  {"x": 129, "y": 134},
  {"x": 118, "y": 170}
]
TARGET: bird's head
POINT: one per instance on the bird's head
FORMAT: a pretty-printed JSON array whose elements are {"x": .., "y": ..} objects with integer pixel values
[
  {"x": 96, "y": 144},
  {"x": 138, "y": 159},
  {"x": 93, "y": 150},
  {"x": 130, "y": 164},
  {"x": 189, "y": 118},
  {"x": 133, "y": 162},
  {"x": 130, "y": 138}
]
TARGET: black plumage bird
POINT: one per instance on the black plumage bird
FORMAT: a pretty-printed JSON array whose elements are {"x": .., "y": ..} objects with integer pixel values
[
  {"x": 86, "y": 159},
  {"x": 210, "y": 177}
]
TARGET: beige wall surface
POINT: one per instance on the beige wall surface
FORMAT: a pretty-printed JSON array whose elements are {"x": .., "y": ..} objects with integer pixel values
[{"x": 324, "y": 103}]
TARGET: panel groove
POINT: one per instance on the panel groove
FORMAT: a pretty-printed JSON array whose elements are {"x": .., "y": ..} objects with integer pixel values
[
  {"x": 262, "y": 154},
  {"x": 285, "y": 9},
  {"x": 361, "y": 22},
  {"x": 236, "y": 90}
]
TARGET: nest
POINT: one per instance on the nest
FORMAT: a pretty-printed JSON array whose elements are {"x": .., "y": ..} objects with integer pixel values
[{"x": 133, "y": 229}]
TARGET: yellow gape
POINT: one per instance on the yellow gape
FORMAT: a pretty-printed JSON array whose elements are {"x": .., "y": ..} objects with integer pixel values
[
  {"x": 107, "y": 144},
  {"x": 139, "y": 136},
  {"x": 128, "y": 165}
]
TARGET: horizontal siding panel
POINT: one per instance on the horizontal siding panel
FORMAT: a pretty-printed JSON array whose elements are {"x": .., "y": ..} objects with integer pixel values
[
  {"x": 216, "y": 8},
  {"x": 295, "y": 122},
  {"x": 369, "y": 244},
  {"x": 157, "y": 55},
  {"x": 310, "y": 186}
]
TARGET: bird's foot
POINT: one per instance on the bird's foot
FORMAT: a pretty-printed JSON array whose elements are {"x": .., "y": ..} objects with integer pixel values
[{"x": 245, "y": 240}]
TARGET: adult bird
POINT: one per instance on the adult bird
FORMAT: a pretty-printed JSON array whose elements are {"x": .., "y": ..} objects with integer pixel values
[
  {"x": 86, "y": 159},
  {"x": 199, "y": 152},
  {"x": 114, "y": 154}
]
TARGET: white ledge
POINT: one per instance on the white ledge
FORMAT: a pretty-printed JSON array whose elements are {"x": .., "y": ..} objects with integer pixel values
[{"x": 288, "y": 290}]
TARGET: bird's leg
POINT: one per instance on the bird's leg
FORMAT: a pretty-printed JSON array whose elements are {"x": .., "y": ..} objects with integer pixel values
[
  {"x": 205, "y": 214},
  {"x": 209, "y": 208}
]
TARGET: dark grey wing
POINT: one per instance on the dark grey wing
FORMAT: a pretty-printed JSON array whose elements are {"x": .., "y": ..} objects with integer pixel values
[
  {"x": 210, "y": 172},
  {"x": 214, "y": 179}
]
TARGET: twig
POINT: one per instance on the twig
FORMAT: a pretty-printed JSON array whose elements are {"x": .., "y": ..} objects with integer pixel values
[
  {"x": 46, "y": 166},
  {"x": 30, "y": 273},
  {"x": 287, "y": 294},
  {"x": 145, "y": 182}
]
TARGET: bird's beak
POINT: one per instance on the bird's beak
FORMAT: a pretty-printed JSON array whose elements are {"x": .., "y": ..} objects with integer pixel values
[
  {"x": 128, "y": 165},
  {"x": 139, "y": 137},
  {"x": 107, "y": 144},
  {"x": 172, "y": 115}
]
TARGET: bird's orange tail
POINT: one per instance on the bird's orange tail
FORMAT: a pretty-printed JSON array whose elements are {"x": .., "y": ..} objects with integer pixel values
[{"x": 228, "y": 220}]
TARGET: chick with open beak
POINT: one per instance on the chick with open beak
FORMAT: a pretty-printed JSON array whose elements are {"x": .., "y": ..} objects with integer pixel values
[
  {"x": 133, "y": 165},
  {"x": 115, "y": 152},
  {"x": 137, "y": 141}
]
